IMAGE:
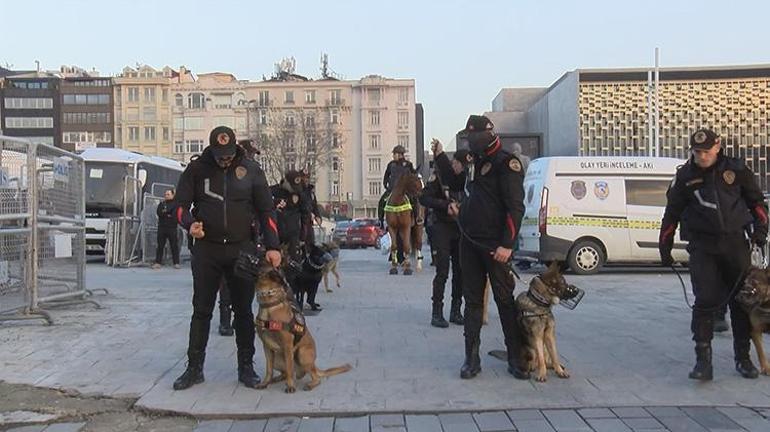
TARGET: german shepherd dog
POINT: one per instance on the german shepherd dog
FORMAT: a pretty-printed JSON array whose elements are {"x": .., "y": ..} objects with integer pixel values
[
  {"x": 333, "y": 249},
  {"x": 286, "y": 340},
  {"x": 537, "y": 323},
  {"x": 754, "y": 298},
  {"x": 309, "y": 275}
]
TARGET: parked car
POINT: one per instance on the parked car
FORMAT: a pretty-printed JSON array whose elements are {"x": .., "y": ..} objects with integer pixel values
[
  {"x": 363, "y": 233},
  {"x": 339, "y": 235}
]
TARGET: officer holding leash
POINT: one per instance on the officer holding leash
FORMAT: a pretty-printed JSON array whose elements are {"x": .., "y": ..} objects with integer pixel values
[
  {"x": 716, "y": 198},
  {"x": 489, "y": 220}
]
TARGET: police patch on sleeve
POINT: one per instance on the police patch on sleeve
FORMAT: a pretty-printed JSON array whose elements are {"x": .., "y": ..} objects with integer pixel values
[
  {"x": 295, "y": 199},
  {"x": 240, "y": 172},
  {"x": 729, "y": 176},
  {"x": 514, "y": 165}
]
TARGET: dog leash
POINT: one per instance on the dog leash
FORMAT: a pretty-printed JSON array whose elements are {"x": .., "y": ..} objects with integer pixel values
[{"x": 731, "y": 294}]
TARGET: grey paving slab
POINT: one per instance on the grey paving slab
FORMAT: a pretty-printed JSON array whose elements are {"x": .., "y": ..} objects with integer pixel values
[
  {"x": 533, "y": 426},
  {"x": 351, "y": 424},
  {"x": 711, "y": 418},
  {"x": 493, "y": 421},
  {"x": 596, "y": 413},
  {"x": 423, "y": 423},
  {"x": 27, "y": 429},
  {"x": 282, "y": 424},
  {"x": 317, "y": 424},
  {"x": 648, "y": 423},
  {"x": 759, "y": 424},
  {"x": 659, "y": 412},
  {"x": 738, "y": 412},
  {"x": 385, "y": 421},
  {"x": 525, "y": 414},
  {"x": 460, "y": 422},
  {"x": 682, "y": 424},
  {"x": 566, "y": 420},
  {"x": 608, "y": 425},
  {"x": 214, "y": 426},
  {"x": 248, "y": 426},
  {"x": 65, "y": 427},
  {"x": 631, "y": 412}
]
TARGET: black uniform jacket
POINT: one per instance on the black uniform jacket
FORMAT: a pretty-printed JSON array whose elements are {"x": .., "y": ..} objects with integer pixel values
[{"x": 227, "y": 201}]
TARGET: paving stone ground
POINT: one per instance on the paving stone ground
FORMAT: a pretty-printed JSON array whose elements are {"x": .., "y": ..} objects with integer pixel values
[{"x": 627, "y": 346}]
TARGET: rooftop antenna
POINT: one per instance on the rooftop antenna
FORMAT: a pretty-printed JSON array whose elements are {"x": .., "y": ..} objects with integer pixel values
[{"x": 324, "y": 65}]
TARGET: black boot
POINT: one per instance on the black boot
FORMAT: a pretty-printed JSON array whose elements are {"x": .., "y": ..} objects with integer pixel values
[
  {"x": 438, "y": 316},
  {"x": 472, "y": 365},
  {"x": 514, "y": 368},
  {"x": 225, "y": 326},
  {"x": 743, "y": 363},
  {"x": 194, "y": 372},
  {"x": 246, "y": 373},
  {"x": 703, "y": 370},
  {"x": 455, "y": 316}
]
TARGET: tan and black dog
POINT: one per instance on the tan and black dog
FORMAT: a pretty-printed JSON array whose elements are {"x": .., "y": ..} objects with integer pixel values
[
  {"x": 286, "y": 340},
  {"x": 537, "y": 324},
  {"x": 754, "y": 298},
  {"x": 332, "y": 249}
]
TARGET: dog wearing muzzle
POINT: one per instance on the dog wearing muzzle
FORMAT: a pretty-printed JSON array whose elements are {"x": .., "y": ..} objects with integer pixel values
[{"x": 754, "y": 298}]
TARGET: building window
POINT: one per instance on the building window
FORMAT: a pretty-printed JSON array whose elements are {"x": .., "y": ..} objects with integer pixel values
[
  {"x": 403, "y": 95},
  {"x": 403, "y": 140},
  {"x": 335, "y": 141},
  {"x": 178, "y": 146},
  {"x": 289, "y": 97},
  {"x": 374, "y": 188},
  {"x": 310, "y": 143},
  {"x": 194, "y": 146},
  {"x": 133, "y": 94},
  {"x": 374, "y": 165},
  {"x": 148, "y": 113},
  {"x": 290, "y": 119},
  {"x": 335, "y": 188},
  {"x": 334, "y": 118},
  {"x": 29, "y": 122},
  {"x": 374, "y": 142},
  {"x": 193, "y": 123},
  {"x": 133, "y": 133},
  {"x": 264, "y": 98},
  {"x": 309, "y": 120},
  {"x": 310, "y": 96},
  {"x": 403, "y": 119},
  {"x": 196, "y": 101},
  {"x": 179, "y": 100},
  {"x": 289, "y": 142},
  {"x": 149, "y": 95},
  {"x": 223, "y": 101},
  {"x": 149, "y": 133},
  {"x": 165, "y": 134},
  {"x": 335, "y": 164},
  {"x": 178, "y": 123},
  {"x": 374, "y": 118},
  {"x": 335, "y": 97},
  {"x": 374, "y": 96},
  {"x": 263, "y": 117},
  {"x": 29, "y": 103}
]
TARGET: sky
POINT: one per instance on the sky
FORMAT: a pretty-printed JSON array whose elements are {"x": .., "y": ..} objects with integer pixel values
[{"x": 461, "y": 53}]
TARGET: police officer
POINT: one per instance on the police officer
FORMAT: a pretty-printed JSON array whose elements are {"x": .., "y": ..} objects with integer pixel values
[
  {"x": 312, "y": 213},
  {"x": 229, "y": 192},
  {"x": 167, "y": 230},
  {"x": 291, "y": 213},
  {"x": 395, "y": 169},
  {"x": 445, "y": 242},
  {"x": 490, "y": 217},
  {"x": 716, "y": 198}
]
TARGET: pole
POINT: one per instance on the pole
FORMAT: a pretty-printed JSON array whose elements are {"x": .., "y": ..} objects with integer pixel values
[
  {"x": 650, "y": 132},
  {"x": 657, "y": 102}
]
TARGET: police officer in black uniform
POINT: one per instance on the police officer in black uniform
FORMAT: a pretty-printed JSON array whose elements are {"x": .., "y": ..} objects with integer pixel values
[
  {"x": 291, "y": 211},
  {"x": 167, "y": 229},
  {"x": 395, "y": 169},
  {"x": 229, "y": 192},
  {"x": 445, "y": 242},
  {"x": 716, "y": 199},
  {"x": 312, "y": 213},
  {"x": 490, "y": 217}
]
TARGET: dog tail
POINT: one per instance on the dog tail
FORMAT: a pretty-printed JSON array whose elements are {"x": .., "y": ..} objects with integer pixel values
[{"x": 335, "y": 370}]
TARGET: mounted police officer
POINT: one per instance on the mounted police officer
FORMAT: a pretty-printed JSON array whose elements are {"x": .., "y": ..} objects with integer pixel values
[
  {"x": 716, "y": 199},
  {"x": 445, "y": 242},
  {"x": 229, "y": 192},
  {"x": 490, "y": 217},
  {"x": 395, "y": 169}
]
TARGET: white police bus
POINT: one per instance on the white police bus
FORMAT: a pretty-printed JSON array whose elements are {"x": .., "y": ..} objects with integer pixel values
[{"x": 116, "y": 182}]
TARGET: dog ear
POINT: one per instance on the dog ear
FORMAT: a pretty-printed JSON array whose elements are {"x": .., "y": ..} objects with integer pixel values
[{"x": 552, "y": 270}]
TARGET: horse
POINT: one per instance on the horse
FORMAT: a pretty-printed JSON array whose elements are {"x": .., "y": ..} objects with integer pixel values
[{"x": 398, "y": 215}]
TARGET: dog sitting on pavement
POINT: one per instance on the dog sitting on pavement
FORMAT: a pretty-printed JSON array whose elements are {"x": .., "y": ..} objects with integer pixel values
[
  {"x": 309, "y": 276},
  {"x": 754, "y": 298},
  {"x": 286, "y": 340},
  {"x": 537, "y": 323}
]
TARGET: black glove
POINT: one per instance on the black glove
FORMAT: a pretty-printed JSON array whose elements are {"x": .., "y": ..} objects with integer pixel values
[
  {"x": 759, "y": 237},
  {"x": 665, "y": 245}
]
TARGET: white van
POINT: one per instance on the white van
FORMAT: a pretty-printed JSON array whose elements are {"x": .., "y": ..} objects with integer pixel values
[{"x": 589, "y": 211}]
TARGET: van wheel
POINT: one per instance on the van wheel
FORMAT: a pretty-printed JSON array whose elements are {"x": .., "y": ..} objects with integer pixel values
[{"x": 586, "y": 257}]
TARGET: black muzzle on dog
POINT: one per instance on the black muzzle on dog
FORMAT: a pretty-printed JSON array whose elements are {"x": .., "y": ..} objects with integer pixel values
[{"x": 572, "y": 297}]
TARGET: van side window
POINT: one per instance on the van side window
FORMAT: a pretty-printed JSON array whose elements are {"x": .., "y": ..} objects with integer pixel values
[{"x": 646, "y": 192}]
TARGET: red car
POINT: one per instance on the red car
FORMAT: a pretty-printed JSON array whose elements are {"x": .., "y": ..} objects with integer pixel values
[{"x": 363, "y": 233}]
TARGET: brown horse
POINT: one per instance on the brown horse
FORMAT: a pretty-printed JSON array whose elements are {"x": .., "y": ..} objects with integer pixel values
[{"x": 398, "y": 215}]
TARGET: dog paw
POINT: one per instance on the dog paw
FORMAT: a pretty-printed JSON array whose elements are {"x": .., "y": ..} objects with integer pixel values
[
  {"x": 562, "y": 373},
  {"x": 263, "y": 385},
  {"x": 329, "y": 290},
  {"x": 290, "y": 389},
  {"x": 766, "y": 371},
  {"x": 541, "y": 378}
]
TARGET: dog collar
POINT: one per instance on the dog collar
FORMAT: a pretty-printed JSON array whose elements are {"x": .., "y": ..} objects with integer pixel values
[{"x": 538, "y": 298}]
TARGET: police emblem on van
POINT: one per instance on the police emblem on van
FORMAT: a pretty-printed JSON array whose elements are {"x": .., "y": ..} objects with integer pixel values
[
  {"x": 601, "y": 190},
  {"x": 578, "y": 189}
]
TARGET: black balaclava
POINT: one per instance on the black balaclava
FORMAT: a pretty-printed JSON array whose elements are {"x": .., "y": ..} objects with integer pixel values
[
  {"x": 480, "y": 134},
  {"x": 222, "y": 144}
]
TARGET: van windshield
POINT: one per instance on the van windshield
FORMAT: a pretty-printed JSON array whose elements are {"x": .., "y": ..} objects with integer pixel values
[{"x": 104, "y": 186}]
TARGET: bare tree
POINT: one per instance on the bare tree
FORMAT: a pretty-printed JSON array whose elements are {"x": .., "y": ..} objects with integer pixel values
[{"x": 294, "y": 139}]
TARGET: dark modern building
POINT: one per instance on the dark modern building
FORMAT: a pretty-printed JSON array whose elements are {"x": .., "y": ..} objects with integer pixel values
[
  {"x": 419, "y": 123},
  {"x": 86, "y": 113},
  {"x": 31, "y": 107}
]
